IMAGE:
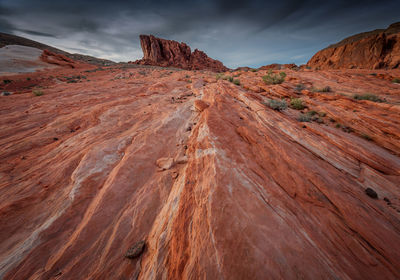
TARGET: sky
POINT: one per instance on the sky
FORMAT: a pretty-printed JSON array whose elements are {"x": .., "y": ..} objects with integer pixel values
[{"x": 238, "y": 33}]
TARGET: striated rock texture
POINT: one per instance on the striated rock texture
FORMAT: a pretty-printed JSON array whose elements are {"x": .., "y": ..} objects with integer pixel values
[
  {"x": 58, "y": 59},
  {"x": 134, "y": 172},
  {"x": 378, "y": 49},
  {"x": 161, "y": 52}
]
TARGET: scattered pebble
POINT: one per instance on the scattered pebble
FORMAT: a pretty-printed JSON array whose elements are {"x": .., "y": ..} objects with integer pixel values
[
  {"x": 371, "y": 193},
  {"x": 136, "y": 250}
]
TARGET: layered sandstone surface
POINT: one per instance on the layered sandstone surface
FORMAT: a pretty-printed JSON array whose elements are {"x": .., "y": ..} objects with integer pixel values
[
  {"x": 161, "y": 52},
  {"x": 378, "y": 49},
  {"x": 218, "y": 185}
]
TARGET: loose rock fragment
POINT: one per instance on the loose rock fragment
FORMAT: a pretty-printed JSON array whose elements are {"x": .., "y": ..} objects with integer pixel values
[
  {"x": 371, "y": 193},
  {"x": 136, "y": 250},
  {"x": 165, "y": 163}
]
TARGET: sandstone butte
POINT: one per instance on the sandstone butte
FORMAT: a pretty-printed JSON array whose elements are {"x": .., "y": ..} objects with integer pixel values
[
  {"x": 168, "y": 53},
  {"x": 142, "y": 172},
  {"x": 378, "y": 49}
]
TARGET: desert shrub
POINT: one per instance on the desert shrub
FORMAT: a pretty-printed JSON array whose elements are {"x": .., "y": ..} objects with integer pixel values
[
  {"x": 312, "y": 113},
  {"x": 322, "y": 114},
  {"x": 304, "y": 118},
  {"x": 236, "y": 82},
  {"x": 253, "y": 70},
  {"x": 324, "y": 89},
  {"x": 299, "y": 87},
  {"x": 297, "y": 103},
  {"x": 38, "y": 92},
  {"x": 230, "y": 78},
  {"x": 338, "y": 125},
  {"x": 367, "y": 96},
  {"x": 7, "y": 81},
  {"x": 278, "y": 105},
  {"x": 273, "y": 79},
  {"x": 219, "y": 76},
  {"x": 187, "y": 76},
  {"x": 396, "y": 80}
]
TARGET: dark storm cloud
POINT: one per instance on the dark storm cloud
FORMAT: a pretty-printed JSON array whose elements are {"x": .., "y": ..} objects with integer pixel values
[
  {"x": 236, "y": 32},
  {"x": 35, "y": 33}
]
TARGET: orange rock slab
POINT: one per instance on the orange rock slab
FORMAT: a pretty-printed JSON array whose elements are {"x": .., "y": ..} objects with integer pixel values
[{"x": 254, "y": 193}]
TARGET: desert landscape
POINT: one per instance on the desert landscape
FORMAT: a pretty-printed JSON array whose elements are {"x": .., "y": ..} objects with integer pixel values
[{"x": 175, "y": 166}]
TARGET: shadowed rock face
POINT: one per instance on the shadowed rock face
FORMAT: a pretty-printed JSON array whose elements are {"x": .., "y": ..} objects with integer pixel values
[
  {"x": 214, "y": 183},
  {"x": 162, "y": 52},
  {"x": 370, "y": 50}
]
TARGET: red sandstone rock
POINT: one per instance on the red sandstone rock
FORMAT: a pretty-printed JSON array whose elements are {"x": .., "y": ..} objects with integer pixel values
[
  {"x": 370, "y": 50},
  {"x": 57, "y": 59},
  {"x": 165, "y": 163},
  {"x": 276, "y": 66},
  {"x": 166, "y": 53},
  {"x": 200, "y": 105},
  {"x": 261, "y": 195}
]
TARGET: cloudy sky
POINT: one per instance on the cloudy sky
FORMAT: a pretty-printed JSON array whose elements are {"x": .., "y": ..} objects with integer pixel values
[{"x": 239, "y": 33}]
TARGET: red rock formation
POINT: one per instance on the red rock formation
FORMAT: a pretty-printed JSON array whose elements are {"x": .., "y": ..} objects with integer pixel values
[
  {"x": 121, "y": 164},
  {"x": 370, "y": 50},
  {"x": 57, "y": 59},
  {"x": 276, "y": 66},
  {"x": 168, "y": 53}
]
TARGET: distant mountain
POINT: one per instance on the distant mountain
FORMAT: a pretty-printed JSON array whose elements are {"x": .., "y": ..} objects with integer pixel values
[
  {"x": 8, "y": 39},
  {"x": 375, "y": 49}
]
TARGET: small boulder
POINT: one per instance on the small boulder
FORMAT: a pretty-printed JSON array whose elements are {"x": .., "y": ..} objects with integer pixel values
[
  {"x": 371, "y": 193},
  {"x": 136, "y": 250},
  {"x": 182, "y": 160},
  {"x": 165, "y": 163}
]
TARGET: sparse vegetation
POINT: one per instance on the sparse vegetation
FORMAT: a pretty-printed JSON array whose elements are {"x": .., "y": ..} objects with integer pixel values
[
  {"x": 324, "y": 89},
  {"x": 37, "y": 92},
  {"x": 236, "y": 82},
  {"x": 396, "y": 80},
  {"x": 367, "y": 96},
  {"x": 189, "y": 81},
  {"x": 338, "y": 125},
  {"x": 253, "y": 70},
  {"x": 297, "y": 103},
  {"x": 273, "y": 79},
  {"x": 28, "y": 79},
  {"x": 7, "y": 81},
  {"x": 366, "y": 137},
  {"x": 299, "y": 87},
  {"x": 230, "y": 78},
  {"x": 322, "y": 114},
  {"x": 187, "y": 76},
  {"x": 347, "y": 129},
  {"x": 219, "y": 76},
  {"x": 304, "y": 118},
  {"x": 277, "y": 105}
]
